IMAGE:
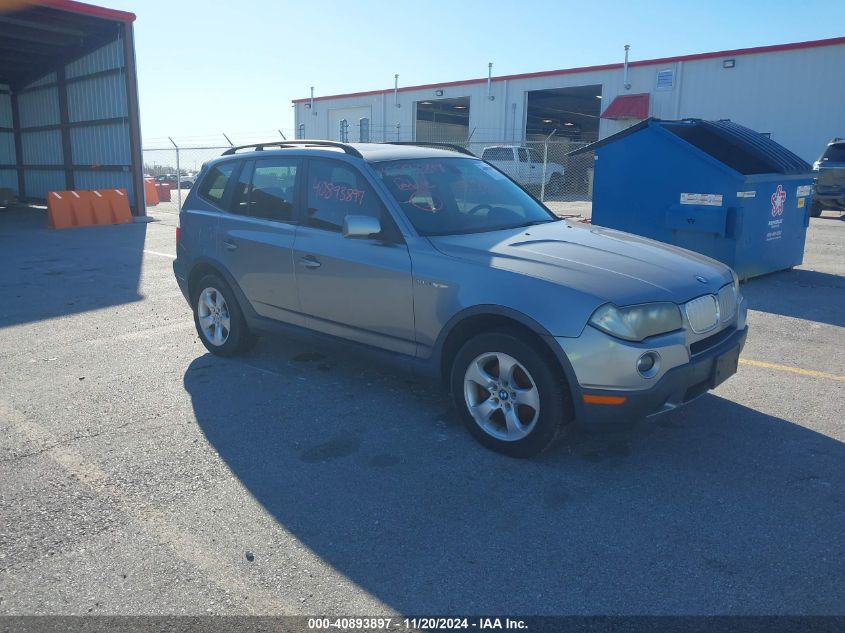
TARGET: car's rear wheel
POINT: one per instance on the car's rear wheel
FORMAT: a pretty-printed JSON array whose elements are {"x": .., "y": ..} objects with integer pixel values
[
  {"x": 555, "y": 185},
  {"x": 816, "y": 209},
  {"x": 510, "y": 396},
  {"x": 218, "y": 318}
]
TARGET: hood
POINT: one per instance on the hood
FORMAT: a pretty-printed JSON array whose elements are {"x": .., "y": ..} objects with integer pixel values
[{"x": 613, "y": 266}]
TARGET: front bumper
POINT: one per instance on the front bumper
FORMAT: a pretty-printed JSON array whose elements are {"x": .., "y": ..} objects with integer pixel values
[
  {"x": 677, "y": 387},
  {"x": 830, "y": 200}
]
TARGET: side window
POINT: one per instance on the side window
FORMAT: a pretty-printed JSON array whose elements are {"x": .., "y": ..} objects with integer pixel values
[
  {"x": 214, "y": 184},
  {"x": 274, "y": 188},
  {"x": 336, "y": 190},
  {"x": 240, "y": 197},
  {"x": 523, "y": 155}
]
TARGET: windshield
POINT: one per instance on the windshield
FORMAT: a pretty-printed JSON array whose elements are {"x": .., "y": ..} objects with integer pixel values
[
  {"x": 834, "y": 154},
  {"x": 447, "y": 196}
]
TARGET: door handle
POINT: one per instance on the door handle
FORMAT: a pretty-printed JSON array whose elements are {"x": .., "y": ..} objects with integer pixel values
[
  {"x": 230, "y": 245},
  {"x": 309, "y": 261}
]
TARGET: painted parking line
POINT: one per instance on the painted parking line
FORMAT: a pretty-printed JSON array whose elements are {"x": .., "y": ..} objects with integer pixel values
[
  {"x": 160, "y": 254},
  {"x": 794, "y": 370}
]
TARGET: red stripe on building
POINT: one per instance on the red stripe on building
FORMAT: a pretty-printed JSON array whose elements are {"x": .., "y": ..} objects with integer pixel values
[{"x": 586, "y": 69}]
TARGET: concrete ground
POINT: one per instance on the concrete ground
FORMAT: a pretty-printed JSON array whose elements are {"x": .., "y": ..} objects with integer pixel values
[{"x": 141, "y": 475}]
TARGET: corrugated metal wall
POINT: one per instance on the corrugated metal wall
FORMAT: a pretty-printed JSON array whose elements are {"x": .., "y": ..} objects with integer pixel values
[
  {"x": 8, "y": 177},
  {"x": 88, "y": 142}
]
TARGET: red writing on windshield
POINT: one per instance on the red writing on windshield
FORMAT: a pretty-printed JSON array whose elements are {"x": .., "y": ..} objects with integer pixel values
[{"x": 328, "y": 190}]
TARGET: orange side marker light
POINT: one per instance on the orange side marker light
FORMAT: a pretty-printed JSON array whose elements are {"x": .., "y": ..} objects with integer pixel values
[{"x": 612, "y": 400}]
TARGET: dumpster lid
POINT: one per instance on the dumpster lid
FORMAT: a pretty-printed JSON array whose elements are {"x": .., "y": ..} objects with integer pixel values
[{"x": 740, "y": 148}]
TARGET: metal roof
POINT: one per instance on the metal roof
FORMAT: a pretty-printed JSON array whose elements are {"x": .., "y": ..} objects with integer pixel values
[
  {"x": 37, "y": 38},
  {"x": 627, "y": 107},
  {"x": 584, "y": 69}
]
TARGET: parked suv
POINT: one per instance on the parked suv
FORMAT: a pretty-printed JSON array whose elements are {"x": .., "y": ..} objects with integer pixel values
[
  {"x": 829, "y": 190},
  {"x": 439, "y": 261}
]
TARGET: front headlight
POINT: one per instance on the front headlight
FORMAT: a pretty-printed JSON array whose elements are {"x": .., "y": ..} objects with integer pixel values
[
  {"x": 736, "y": 283},
  {"x": 636, "y": 323}
]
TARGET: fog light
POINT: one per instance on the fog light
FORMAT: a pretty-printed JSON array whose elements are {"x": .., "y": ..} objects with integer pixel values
[{"x": 647, "y": 364}]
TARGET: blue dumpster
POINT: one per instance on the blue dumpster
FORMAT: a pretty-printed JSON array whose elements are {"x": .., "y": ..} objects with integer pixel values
[{"x": 714, "y": 187}]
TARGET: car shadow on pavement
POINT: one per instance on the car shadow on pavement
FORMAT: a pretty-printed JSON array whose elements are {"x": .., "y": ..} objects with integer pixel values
[
  {"x": 798, "y": 293},
  {"x": 715, "y": 508},
  {"x": 46, "y": 273}
]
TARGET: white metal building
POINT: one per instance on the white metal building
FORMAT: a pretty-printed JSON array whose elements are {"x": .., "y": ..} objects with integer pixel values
[{"x": 794, "y": 92}]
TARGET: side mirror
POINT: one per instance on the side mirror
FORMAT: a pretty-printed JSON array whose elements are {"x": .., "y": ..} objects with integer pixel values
[{"x": 360, "y": 226}]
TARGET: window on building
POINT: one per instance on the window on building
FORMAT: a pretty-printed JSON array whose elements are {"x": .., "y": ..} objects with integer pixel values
[{"x": 665, "y": 79}]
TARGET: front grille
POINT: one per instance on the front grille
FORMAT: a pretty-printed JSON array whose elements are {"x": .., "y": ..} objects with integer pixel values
[
  {"x": 706, "y": 343},
  {"x": 727, "y": 303},
  {"x": 703, "y": 313}
]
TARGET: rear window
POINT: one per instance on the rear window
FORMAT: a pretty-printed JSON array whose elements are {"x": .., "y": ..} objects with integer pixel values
[
  {"x": 214, "y": 184},
  {"x": 834, "y": 154},
  {"x": 497, "y": 153}
]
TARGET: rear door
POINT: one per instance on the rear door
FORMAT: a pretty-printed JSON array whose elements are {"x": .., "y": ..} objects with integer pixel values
[
  {"x": 355, "y": 288},
  {"x": 257, "y": 235}
]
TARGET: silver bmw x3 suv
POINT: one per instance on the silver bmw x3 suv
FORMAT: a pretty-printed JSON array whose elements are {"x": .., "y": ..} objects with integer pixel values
[{"x": 435, "y": 260}]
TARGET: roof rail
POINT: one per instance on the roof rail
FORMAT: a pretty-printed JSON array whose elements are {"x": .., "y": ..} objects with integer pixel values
[
  {"x": 259, "y": 147},
  {"x": 451, "y": 146}
]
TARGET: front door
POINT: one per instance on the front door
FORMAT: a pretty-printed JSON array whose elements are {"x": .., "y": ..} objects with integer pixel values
[
  {"x": 258, "y": 234},
  {"x": 355, "y": 288}
]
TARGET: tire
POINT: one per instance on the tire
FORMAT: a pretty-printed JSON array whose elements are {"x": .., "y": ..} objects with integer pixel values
[
  {"x": 228, "y": 334},
  {"x": 518, "y": 431},
  {"x": 555, "y": 187},
  {"x": 815, "y": 209}
]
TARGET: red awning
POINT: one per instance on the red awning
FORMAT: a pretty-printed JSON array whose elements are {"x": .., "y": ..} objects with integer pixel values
[{"x": 627, "y": 107}]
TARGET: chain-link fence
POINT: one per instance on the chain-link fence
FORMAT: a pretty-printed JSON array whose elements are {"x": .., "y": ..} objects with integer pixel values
[{"x": 547, "y": 168}]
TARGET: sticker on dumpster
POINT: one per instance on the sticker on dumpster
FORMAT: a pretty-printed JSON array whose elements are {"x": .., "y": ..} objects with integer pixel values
[
  {"x": 746, "y": 194},
  {"x": 778, "y": 198},
  {"x": 801, "y": 202},
  {"x": 803, "y": 190},
  {"x": 706, "y": 199}
]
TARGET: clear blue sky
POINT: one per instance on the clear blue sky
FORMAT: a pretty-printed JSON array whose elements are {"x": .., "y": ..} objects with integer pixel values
[{"x": 211, "y": 66}]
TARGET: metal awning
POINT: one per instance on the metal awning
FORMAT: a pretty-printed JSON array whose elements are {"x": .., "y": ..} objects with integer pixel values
[
  {"x": 34, "y": 38},
  {"x": 627, "y": 107}
]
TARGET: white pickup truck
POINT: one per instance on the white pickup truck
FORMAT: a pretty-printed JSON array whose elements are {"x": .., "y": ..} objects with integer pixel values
[{"x": 525, "y": 165}]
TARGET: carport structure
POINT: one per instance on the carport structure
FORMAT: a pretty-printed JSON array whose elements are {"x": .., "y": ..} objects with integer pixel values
[{"x": 69, "y": 101}]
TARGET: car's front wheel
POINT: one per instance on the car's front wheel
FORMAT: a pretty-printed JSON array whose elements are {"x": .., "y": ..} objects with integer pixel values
[
  {"x": 218, "y": 318},
  {"x": 510, "y": 396},
  {"x": 815, "y": 209}
]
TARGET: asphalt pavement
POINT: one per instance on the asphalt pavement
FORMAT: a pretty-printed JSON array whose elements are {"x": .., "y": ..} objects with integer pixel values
[{"x": 141, "y": 475}]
